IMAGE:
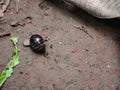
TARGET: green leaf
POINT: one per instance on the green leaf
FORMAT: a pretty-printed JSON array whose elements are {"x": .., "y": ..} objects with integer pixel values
[
  {"x": 14, "y": 40},
  {"x": 13, "y": 62}
]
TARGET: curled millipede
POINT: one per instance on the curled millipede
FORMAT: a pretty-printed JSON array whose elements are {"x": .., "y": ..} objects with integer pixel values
[{"x": 37, "y": 43}]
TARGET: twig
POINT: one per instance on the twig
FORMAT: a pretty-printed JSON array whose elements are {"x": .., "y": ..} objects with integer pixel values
[
  {"x": 17, "y": 5},
  {"x": 41, "y": 3},
  {"x": 4, "y": 35},
  {"x": 1, "y": 2},
  {"x": 4, "y": 7},
  {"x": 83, "y": 29}
]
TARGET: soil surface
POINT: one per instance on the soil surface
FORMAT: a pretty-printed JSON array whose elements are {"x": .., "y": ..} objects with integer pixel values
[{"x": 82, "y": 51}]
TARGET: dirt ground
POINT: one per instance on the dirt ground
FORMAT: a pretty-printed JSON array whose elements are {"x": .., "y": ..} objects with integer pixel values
[{"x": 85, "y": 58}]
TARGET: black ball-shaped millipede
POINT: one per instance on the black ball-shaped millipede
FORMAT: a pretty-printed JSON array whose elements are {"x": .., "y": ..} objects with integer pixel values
[{"x": 36, "y": 43}]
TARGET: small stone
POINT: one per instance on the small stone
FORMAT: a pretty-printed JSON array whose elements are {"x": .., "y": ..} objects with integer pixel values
[
  {"x": 13, "y": 23},
  {"x": 60, "y": 43},
  {"x": 26, "y": 43},
  {"x": 108, "y": 66}
]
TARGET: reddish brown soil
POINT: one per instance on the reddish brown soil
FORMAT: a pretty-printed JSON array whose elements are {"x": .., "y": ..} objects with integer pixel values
[{"x": 75, "y": 61}]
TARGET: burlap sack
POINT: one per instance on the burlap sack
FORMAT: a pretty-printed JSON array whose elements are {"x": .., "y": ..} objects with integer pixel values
[{"x": 99, "y": 8}]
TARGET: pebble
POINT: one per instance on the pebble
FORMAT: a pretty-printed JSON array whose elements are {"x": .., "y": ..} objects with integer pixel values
[
  {"x": 108, "y": 66},
  {"x": 60, "y": 43},
  {"x": 14, "y": 23},
  {"x": 26, "y": 43}
]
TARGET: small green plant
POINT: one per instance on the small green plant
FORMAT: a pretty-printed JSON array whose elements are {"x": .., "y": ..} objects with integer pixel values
[{"x": 13, "y": 62}]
